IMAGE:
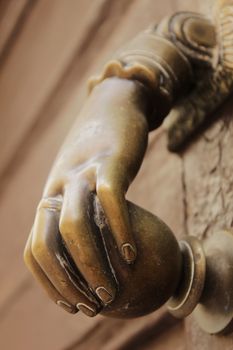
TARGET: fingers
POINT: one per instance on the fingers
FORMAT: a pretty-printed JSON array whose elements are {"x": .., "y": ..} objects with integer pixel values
[
  {"x": 44, "y": 281},
  {"x": 110, "y": 192},
  {"x": 50, "y": 253},
  {"x": 84, "y": 241}
]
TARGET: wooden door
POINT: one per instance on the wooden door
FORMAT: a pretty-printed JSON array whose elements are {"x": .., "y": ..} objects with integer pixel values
[{"x": 48, "y": 49}]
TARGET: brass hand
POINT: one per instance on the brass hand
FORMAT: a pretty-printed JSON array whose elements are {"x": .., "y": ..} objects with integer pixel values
[{"x": 100, "y": 157}]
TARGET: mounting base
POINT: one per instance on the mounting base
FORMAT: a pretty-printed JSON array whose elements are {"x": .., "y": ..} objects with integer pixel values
[{"x": 214, "y": 313}]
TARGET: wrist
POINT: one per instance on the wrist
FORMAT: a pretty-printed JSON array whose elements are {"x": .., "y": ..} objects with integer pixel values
[
  {"x": 164, "y": 59},
  {"x": 122, "y": 99}
]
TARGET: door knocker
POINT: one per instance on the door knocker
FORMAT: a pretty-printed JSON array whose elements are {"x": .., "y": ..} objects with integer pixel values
[{"x": 91, "y": 249}]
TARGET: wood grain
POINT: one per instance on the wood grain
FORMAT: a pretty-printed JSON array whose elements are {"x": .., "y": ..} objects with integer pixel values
[
  {"x": 13, "y": 16},
  {"x": 35, "y": 63}
]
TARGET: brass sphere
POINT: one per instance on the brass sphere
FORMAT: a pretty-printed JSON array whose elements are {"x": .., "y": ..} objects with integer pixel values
[{"x": 151, "y": 280}]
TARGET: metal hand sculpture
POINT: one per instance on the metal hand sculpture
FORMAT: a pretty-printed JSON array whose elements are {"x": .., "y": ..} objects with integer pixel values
[{"x": 91, "y": 249}]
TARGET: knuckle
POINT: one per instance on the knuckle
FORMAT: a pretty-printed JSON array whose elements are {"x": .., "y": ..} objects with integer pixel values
[
  {"x": 27, "y": 255},
  {"x": 50, "y": 203},
  {"x": 104, "y": 189},
  {"x": 63, "y": 227},
  {"x": 42, "y": 252},
  {"x": 37, "y": 248},
  {"x": 40, "y": 246},
  {"x": 68, "y": 226}
]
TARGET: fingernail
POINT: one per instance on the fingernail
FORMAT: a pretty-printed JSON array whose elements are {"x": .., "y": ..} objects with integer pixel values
[
  {"x": 128, "y": 252},
  {"x": 104, "y": 295},
  {"x": 87, "y": 310},
  {"x": 69, "y": 308}
]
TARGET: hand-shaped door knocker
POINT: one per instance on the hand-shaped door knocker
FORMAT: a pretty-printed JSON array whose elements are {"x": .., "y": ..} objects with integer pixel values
[{"x": 89, "y": 247}]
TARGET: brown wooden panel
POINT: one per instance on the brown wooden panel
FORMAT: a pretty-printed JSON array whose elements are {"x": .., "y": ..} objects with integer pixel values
[
  {"x": 39, "y": 324},
  {"x": 138, "y": 334},
  {"x": 13, "y": 15},
  {"x": 169, "y": 339},
  {"x": 42, "y": 52}
]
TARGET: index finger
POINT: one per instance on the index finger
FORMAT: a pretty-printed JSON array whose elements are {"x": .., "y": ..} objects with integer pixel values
[{"x": 110, "y": 192}]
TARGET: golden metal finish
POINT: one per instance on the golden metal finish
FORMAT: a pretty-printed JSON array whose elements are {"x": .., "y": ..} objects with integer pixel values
[
  {"x": 147, "y": 284},
  {"x": 93, "y": 251},
  {"x": 191, "y": 284}
]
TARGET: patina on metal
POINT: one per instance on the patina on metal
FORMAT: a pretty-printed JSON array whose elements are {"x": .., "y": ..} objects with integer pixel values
[
  {"x": 92, "y": 250},
  {"x": 154, "y": 277},
  {"x": 211, "y": 49},
  {"x": 190, "y": 288}
]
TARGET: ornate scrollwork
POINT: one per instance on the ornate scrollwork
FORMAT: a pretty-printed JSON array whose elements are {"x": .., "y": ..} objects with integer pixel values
[
  {"x": 186, "y": 63},
  {"x": 213, "y": 84}
]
